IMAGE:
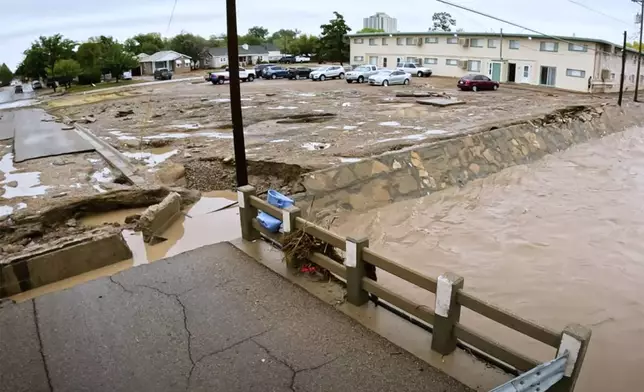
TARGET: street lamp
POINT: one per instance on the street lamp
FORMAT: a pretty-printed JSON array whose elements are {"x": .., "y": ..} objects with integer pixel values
[{"x": 639, "y": 51}]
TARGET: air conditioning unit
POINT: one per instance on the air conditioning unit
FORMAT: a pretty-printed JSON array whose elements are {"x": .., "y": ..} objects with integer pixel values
[
  {"x": 605, "y": 74},
  {"x": 462, "y": 64},
  {"x": 464, "y": 42}
]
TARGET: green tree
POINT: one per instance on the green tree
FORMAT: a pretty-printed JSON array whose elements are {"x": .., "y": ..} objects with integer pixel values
[
  {"x": 334, "y": 45},
  {"x": 57, "y": 48},
  {"x": 367, "y": 30},
  {"x": 283, "y": 39},
  {"x": 258, "y": 32},
  {"x": 189, "y": 44},
  {"x": 64, "y": 71},
  {"x": 5, "y": 75},
  {"x": 117, "y": 60},
  {"x": 148, "y": 43},
  {"x": 217, "y": 41},
  {"x": 304, "y": 44},
  {"x": 635, "y": 45},
  {"x": 443, "y": 21},
  {"x": 44, "y": 53},
  {"x": 89, "y": 55}
]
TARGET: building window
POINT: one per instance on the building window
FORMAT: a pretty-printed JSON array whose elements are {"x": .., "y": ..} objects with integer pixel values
[
  {"x": 576, "y": 73},
  {"x": 358, "y": 58},
  {"x": 474, "y": 66},
  {"x": 451, "y": 62},
  {"x": 372, "y": 41},
  {"x": 577, "y": 48},
  {"x": 476, "y": 43},
  {"x": 514, "y": 44},
  {"x": 399, "y": 41},
  {"x": 373, "y": 60},
  {"x": 452, "y": 40},
  {"x": 612, "y": 76},
  {"x": 358, "y": 41},
  {"x": 549, "y": 46},
  {"x": 631, "y": 78},
  {"x": 411, "y": 41},
  {"x": 430, "y": 61},
  {"x": 384, "y": 42},
  {"x": 492, "y": 43},
  {"x": 431, "y": 40}
]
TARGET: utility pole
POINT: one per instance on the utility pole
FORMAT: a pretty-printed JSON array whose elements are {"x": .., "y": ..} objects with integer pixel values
[
  {"x": 639, "y": 57},
  {"x": 621, "y": 79},
  {"x": 235, "y": 94}
]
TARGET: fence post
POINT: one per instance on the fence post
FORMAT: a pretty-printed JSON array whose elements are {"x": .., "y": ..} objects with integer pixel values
[
  {"x": 289, "y": 214},
  {"x": 574, "y": 339},
  {"x": 356, "y": 295},
  {"x": 447, "y": 313},
  {"x": 247, "y": 212}
]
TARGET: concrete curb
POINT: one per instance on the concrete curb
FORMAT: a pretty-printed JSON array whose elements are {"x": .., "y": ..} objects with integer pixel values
[{"x": 111, "y": 155}]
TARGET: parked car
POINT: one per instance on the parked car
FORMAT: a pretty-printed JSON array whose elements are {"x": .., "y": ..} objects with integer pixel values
[
  {"x": 476, "y": 83},
  {"x": 287, "y": 60},
  {"x": 361, "y": 73},
  {"x": 275, "y": 72},
  {"x": 387, "y": 77},
  {"x": 220, "y": 77},
  {"x": 127, "y": 75},
  {"x": 302, "y": 59},
  {"x": 299, "y": 73},
  {"x": 162, "y": 74},
  {"x": 18, "y": 89},
  {"x": 259, "y": 69},
  {"x": 414, "y": 69},
  {"x": 332, "y": 72},
  {"x": 36, "y": 85}
]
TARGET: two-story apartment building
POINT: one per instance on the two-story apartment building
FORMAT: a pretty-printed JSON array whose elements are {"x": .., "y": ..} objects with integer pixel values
[{"x": 565, "y": 62}]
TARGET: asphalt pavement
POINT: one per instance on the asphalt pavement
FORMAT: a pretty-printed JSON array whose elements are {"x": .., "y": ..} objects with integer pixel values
[{"x": 211, "y": 319}]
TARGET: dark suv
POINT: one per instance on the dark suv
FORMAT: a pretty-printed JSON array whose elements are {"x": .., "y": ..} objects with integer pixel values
[
  {"x": 259, "y": 69},
  {"x": 287, "y": 60},
  {"x": 162, "y": 74}
]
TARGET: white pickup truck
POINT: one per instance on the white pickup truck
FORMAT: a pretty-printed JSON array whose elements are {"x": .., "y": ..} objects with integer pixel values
[
  {"x": 414, "y": 69},
  {"x": 220, "y": 77}
]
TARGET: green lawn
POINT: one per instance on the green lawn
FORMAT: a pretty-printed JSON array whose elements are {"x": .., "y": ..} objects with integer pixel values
[{"x": 79, "y": 89}]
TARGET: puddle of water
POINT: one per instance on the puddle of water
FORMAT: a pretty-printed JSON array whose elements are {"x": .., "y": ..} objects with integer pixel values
[
  {"x": 312, "y": 146},
  {"x": 98, "y": 188},
  {"x": 331, "y": 127},
  {"x": 318, "y": 110},
  {"x": 248, "y": 107},
  {"x": 5, "y": 210},
  {"x": 283, "y": 108},
  {"x": 389, "y": 124},
  {"x": 350, "y": 160},
  {"x": 110, "y": 217},
  {"x": 19, "y": 104},
  {"x": 279, "y": 141},
  {"x": 104, "y": 175},
  {"x": 303, "y": 102},
  {"x": 349, "y": 127},
  {"x": 214, "y": 135},
  {"x": 185, "y": 126},
  {"x": 345, "y": 104},
  {"x": 151, "y": 159},
  {"x": 120, "y": 135},
  {"x": 306, "y": 94},
  {"x": 28, "y": 184}
]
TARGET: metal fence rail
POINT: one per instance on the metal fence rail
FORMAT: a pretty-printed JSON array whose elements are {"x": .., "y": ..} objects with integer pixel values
[{"x": 448, "y": 289}]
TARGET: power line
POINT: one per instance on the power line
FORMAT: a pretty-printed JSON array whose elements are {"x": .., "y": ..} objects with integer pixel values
[
  {"x": 582, "y": 5},
  {"x": 519, "y": 26},
  {"x": 171, "y": 16}
]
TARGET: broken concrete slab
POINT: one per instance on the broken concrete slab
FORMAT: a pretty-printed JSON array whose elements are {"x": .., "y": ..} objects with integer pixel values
[
  {"x": 420, "y": 94},
  {"x": 155, "y": 219},
  {"x": 6, "y": 125},
  {"x": 440, "y": 102}
]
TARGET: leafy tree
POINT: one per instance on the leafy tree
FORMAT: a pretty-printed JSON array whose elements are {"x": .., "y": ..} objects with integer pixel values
[
  {"x": 635, "y": 45},
  {"x": 5, "y": 75},
  {"x": 217, "y": 41},
  {"x": 117, "y": 60},
  {"x": 44, "y": 53},
  {"x": 370, "y": 30},
  {"x": 443, "y": 21},
  {"x": 149, "y": 43},
  {"x": 57, "y": 48},
  {"x": 64, "y": 71},
  {"x": 258, "y": 32},
  {"x": 304, "y": 44},
  {"x": 283, "y": 39},
  {"x": 189, "y": 44},
  {"x": 89, "y": 54},
  {"x": 334, "y": 45}
]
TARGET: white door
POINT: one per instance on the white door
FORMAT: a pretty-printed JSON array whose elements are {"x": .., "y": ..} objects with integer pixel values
[
  {"x": 373, "y": 60},
  {"x": 526, "y": 73}
]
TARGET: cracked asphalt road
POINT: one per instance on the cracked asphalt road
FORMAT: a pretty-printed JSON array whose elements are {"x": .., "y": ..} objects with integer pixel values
[{"x": 208, "y": 320}]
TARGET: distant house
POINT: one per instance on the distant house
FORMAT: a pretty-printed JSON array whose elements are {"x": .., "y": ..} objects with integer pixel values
[
  {"x": 248, "y": 55},
  {"x": 169, "y": 59}
]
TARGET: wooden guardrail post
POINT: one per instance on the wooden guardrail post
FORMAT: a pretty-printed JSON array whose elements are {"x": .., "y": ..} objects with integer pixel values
[
  {"x": 354, "y": 262},
  {"x": 447, "y": 313},
  {"x": 247, "y": 212},
  {"x": 574, "y": 339},
  {"x": 289, "y": 214}
]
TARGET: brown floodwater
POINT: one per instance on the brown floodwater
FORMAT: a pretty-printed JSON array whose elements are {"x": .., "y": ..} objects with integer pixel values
[
  {"x": 214, "y": 218},
  {"x": 558, "y": 241}
]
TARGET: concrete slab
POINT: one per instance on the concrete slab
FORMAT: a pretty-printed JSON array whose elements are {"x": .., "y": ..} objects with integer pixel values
[
  {"x": 212, "y": 319},
  {"x": 441, "y": 102},
  {"x": 6, "y": 125},
  {"x": 35, "y": 138}
]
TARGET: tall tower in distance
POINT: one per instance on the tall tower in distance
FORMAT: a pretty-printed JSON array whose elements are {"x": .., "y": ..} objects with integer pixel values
[{"x": 380, "y": 20}]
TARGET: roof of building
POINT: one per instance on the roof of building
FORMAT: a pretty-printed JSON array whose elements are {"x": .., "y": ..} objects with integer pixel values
[
  {"x": 164, "y": 55},
  {"x": 141, "y": 56},
  {"x": 245, "y": 50},
  {"x": 468, "y": 34}
]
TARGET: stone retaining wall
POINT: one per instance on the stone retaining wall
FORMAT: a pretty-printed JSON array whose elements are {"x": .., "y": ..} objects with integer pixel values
[{"x": 427, "y": 168}]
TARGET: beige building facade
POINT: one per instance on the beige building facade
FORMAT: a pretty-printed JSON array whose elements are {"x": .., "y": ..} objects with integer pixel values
[{"x": 565, "y": 62}]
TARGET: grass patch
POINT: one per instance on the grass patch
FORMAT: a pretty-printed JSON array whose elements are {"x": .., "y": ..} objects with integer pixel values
[{"x": 102, "y": 85}]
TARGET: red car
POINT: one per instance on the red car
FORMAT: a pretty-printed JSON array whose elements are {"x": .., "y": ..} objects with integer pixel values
[{"x": 476, "y": 83}]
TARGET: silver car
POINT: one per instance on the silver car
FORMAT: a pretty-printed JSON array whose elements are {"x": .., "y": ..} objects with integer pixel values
[
  {"x": 332, "y": 72},
  {"x": 387, "y": 77},
  {"x": 361, "y": 73}
]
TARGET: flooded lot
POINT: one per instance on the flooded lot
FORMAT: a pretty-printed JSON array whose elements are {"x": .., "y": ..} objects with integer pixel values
[{"x": 557, "y": 241}]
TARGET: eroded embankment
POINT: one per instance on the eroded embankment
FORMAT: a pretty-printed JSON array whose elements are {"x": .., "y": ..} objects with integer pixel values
[{"x": 427, "y": 168}]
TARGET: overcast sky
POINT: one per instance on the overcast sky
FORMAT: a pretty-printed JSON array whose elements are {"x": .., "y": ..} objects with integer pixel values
[{"x": 23, "y": 21}]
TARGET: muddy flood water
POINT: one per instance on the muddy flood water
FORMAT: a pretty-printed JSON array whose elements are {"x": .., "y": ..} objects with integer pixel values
[{"x": 558, "y": 241}]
